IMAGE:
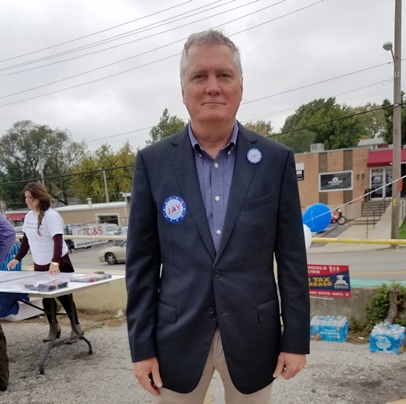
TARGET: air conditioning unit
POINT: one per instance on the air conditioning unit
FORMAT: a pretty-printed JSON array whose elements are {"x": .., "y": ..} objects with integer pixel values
[{"x": 316, "y": 147}]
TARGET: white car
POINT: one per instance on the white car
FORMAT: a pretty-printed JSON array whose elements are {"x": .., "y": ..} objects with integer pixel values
[
  {"x": 113, "y": 254},
  {"x": 121, "y": 232},
  {"x": 19, "y": 230}
]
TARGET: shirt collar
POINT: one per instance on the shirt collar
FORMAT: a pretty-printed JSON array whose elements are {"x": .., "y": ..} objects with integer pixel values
[{"x": 232, "y": 143}]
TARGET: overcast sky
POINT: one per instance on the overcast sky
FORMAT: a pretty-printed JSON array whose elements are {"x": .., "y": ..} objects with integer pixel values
[{"x": 106, "y": 70}]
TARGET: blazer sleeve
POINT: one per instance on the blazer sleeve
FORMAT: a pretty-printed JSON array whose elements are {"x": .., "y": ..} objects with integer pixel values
[
  {"x": 142, "y": 265},
  {"x": 290, "y": 253}
]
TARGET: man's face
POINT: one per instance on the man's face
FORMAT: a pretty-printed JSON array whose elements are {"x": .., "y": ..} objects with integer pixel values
[{"x": 212, "y": 87}]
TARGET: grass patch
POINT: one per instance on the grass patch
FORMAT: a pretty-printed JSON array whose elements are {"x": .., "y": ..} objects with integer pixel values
[{"x": 402, "y": 230}]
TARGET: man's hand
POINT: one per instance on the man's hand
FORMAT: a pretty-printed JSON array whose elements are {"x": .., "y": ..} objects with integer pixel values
[
  {"x": 289, "y": 365},
  {"x": 147, "y": 373},
  {"x": 12, "y": 264}
]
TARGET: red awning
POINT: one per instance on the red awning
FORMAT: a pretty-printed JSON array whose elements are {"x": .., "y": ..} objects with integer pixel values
[
  {"x": 378, "y": 158},
  {"x": 16, "y": 216}
]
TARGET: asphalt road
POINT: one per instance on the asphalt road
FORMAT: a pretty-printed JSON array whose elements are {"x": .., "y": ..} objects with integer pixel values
[
  {"x": 381, "y": 265},
  {"x": 85, "y": 259}
]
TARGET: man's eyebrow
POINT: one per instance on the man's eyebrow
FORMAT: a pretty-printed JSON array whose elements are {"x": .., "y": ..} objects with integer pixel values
[
  {"x": 219, "y": 70},
  {"x": 198, "y": 71}
]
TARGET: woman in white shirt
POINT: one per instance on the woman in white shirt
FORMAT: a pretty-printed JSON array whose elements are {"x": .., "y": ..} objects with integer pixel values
[{"x": 43, "y": 234}]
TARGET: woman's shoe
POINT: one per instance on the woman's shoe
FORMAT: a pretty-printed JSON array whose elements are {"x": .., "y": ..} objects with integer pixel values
[
  {"x": 51, "y": 333},
  {"x": 74, "y": 336}
]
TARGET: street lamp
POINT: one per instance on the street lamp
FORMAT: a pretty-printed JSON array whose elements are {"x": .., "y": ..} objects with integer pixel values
[
  {"x": 388, "y": 46},
  {"x": 397, "y": 122}
]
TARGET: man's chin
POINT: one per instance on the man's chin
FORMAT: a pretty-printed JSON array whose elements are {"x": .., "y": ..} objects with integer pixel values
[{"x": 214, "y": 115}]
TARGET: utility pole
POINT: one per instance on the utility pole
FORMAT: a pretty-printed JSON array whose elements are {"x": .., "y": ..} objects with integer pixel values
[
  {"x": 105, "y": 186},
  {"x": 397, "y": 119}
]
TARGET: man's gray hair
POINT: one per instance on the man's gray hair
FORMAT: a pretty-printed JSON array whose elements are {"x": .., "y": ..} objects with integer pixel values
[{"x": 208, "y": 37}]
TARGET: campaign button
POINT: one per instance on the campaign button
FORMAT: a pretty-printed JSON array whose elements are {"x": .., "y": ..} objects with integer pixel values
[{"x": 174, "y": 209}]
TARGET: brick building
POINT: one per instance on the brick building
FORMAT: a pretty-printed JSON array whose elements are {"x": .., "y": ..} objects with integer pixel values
[{"x": 345, "y": 177}]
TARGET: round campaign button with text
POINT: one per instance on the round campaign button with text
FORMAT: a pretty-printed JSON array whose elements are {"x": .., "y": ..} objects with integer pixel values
[{"x": 174, "y": 209}]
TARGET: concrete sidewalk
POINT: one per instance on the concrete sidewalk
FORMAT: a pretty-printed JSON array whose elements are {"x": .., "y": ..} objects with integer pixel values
[{"x": 381, "y": 231}]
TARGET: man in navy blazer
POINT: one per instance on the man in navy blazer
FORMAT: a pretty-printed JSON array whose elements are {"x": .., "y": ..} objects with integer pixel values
[{"x": 212, "y": 207}]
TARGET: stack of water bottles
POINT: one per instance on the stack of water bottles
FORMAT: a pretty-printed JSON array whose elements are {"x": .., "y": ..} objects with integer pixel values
[
  {"x": 387, "y": 338},
  {"x": 329, "y": 328}
]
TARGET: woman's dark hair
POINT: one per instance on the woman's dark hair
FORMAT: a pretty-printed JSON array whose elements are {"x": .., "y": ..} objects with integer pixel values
[{"x": 39, "y": 192}]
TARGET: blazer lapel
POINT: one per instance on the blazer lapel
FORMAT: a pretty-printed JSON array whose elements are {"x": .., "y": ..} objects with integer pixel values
[
  {"x": 185, "y": 170},
  {"x": 243, "y": 171}
]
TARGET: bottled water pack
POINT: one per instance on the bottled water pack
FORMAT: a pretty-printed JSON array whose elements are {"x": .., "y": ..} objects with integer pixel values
[
  {"x": 387, "y": 338},
  {"x": 329, "y": 328}
]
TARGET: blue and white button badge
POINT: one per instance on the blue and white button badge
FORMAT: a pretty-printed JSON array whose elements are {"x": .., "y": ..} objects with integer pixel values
[
  {"x": 174, "y": 209},
  {"x": 254, "y": 156}
]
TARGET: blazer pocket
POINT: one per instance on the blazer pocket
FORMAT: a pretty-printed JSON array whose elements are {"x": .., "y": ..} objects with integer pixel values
[
  {"x": 258, "y": 203},
  {"x": 268, "y": 311},
  {"x": 167, "y": 313}
]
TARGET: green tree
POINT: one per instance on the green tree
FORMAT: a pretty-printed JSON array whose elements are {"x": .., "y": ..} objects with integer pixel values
[
  {"x": 388, "y": 111},
  {"x": 104, "y": 163},
  {"x": 372, "y": 119},
  {"x": 168, "y": 125},
  {"x": 321, "y": 121},
  {"x": 29, "y": 151},
  {"x": 299, "y": 141},
  {"x": 261, "y": 127}
]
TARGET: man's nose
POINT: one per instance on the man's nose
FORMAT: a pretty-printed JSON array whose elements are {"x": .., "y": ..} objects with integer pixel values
[{"x": 213, "y": 86}]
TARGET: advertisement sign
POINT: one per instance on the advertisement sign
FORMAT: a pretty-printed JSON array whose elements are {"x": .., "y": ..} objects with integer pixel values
[
  {"x": 89, "y": 230},
  {"x": 329, "y": 280},
  {"x": 339, "y": 181},
  {"x": 300, "y": 171}
]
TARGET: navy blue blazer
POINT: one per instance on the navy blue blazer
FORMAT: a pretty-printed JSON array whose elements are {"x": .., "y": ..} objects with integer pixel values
[{"x": 180, "y": 289}]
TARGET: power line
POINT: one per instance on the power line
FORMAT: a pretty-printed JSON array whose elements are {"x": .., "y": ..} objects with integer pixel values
[
  {"x": 119, "y": 134},
  {"x": 132, "y": 165},
  {"x": 94, "y": 33},
  {"x": 98, "y": 170},
  {"x": 335, "y": 96},
  {"x": 274, "y": 113},
  {"x": 314, "y": 84},
  {"x": 120, "y": 36},
  {"x": 332, "y": 120},
  {"x": 272, "y": 95},
  {"x": 131, "y": 57},
  {"x": 146, "y": 64}
]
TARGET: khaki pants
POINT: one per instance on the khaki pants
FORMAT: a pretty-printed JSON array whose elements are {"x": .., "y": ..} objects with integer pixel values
[
  {"x": 4, "y": 371},
  {"x": 215, "y": 361}
]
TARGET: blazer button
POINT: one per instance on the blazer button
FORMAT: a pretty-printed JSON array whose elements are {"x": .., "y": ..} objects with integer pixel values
[
  {"x": 216, "y": 273},
  {"x": 211, "y": 310}
]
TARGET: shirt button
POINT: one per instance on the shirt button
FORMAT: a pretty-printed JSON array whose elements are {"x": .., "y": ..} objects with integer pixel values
[
  {"x": 217, "y": 198},
  {"x": 218, "y": 232},
  {"x": 216, "y": 165}
]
